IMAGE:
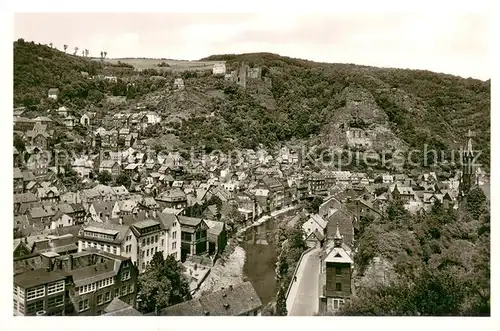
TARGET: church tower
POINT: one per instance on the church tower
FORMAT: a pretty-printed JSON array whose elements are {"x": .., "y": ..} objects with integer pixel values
[{"x": 466, "y": 180}]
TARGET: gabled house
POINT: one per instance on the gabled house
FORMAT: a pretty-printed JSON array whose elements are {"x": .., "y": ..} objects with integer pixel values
[
  {"x": 53, "y": 93},
  {"x": 104, "y": 211},
  {"x": 194, "y": 238},
  {"x": 110, "y": 166}
]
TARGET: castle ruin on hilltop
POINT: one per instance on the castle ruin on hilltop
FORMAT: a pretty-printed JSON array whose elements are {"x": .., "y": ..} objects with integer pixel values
[{"x": 244, "y": 73}]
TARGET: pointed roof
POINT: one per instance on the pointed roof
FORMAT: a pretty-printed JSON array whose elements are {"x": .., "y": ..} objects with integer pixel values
[{"x": 337, "y": 239}]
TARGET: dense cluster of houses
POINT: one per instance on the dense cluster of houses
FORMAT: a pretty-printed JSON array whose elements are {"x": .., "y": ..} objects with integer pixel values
[{"x": 178, "y": 207}]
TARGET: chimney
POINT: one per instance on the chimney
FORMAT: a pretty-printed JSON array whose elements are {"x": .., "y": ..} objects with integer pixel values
[
  {"x": 230, "y": 287},
  {"x": 224, "y": 295},
  {"x": 206, "y": 313},
  {"x": 226, "y": 305},
  {"x": 70, "y": 262}
]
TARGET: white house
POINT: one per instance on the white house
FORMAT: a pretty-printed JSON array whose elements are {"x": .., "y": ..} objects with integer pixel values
[{"x": 219, "y": 69}]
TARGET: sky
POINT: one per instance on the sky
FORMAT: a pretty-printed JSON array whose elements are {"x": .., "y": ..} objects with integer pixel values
[{"x": 456, "y": 42}]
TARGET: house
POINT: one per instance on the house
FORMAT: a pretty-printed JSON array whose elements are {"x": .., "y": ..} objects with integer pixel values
[
  {"x": 62, "y": 245},
  {"x": 60, "y": 220},
  {"x": 62, "y": 111},
  {"x": 174, "y": 198},
  {"x": 48, "y": 194},
  {"x": 219, "y": 69},
  {"x": 53, "y": 93},
  {"x": 171, "y": 224},
  {"x": 345, "y": 221},
  {"x": 315, "y": 239},
  {"x": 18, "y": 181},
  {"x": 117, "y": 307},
  {"x": 179, "y": 83},
  {"x": 217, "y": 236},
  {"x": 85, "y": 119},
  {"x": 21, "y": 247},
  {"x": 69, "y": 122},
  {"x": 236, "y": 300},
  {"x": 80, "y": 284},
  {"x": 194, "y": 239},
  {"x": 315, "y": 223},
  {"x": 149, "y": 238},
  {"x": 110, "y": 166},
  {"x": 335, "y": 277},
  {"x": 83, "y": 167},
  {"x": 106, "y": 237},
  {"x": 104, "y": 211}
]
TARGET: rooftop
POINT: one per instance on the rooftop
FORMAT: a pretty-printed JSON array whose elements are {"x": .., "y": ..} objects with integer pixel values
[{"x": 37, "y": 277}]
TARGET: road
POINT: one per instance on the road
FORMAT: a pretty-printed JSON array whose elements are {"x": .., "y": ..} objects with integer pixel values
[{"x": 303, "y": 299}]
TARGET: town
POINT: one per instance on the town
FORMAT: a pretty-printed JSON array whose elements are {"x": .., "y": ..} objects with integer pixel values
[{"x": 106, "y": 222}]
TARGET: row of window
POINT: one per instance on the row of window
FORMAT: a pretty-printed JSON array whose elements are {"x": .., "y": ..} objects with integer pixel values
[
  {"x": 99, "y": 235},
  {"x": 84, "y": 304},
  {"x": 97, "y": 285},
  {"x": 149, "y": 251},
  {"x": 106, "y": 248},
  {"x": 150, "y": 240},
  {"x": 35, "y": 293},
  {"x": 55, "y": 287}
]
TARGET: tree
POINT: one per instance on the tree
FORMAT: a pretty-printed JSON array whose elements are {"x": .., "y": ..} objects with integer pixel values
[
  {"x": 86, "y": 52},
  {"x": 162, "y": 284},
  {"x": 19, "y": 143},
  {"x": 65, "y": 47},
  {"x": 104, "y": 177},
  {"x": 105, "y": 54},
  {"x": 51, "y": 44},
  {"x": 76, "y": 50},
  {"x": 281, "y": 303},
  {"x": 102, "y": 55},
  {"x": 475, "y": 202},
  {"x": 313, "y": 207},
  {"x": 123, "y": 179}
]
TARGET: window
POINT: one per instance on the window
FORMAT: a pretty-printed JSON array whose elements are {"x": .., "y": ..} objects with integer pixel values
[
  {"x": 156, "y": 249},
  {"x": 175, "y": 224},
  {"x": 143, "y": 242},
  {"x": 125, "y": 275},
  {"x": 147, "y": 252},
  {"x": 108, "y": 248},
  {"x": 55, "y": 287},
  {"x": 21, "y": 307},
  {"x": 35, "y": 307},
  {"x": 337, "y": 303},
  {"x": 143, "y": 265},
  {"x": 107, "y": 296},
  {"x": 174, "y": 235},
  {"x": 142, "y": 254},
  {"x": 124, "y": 290},
  {"x": 100, "y": 299},
  {"x": 15, "y": 304},
  {"x": 338, "y": 287},
  {"x": 156, "y": 238},
  {"x": 83, "y": 305},
  {"x": 55, "y": 301},
  {"x": 20, "y": 292},
  {"x": 34, "y": 293},
  {"x": 173, "y": 245},
  {"x": 15, "y": 290},
  {"x": 114, "y": 250},
  {"x": 147, "y": 241},
  {"x": 338, "y": 271},
  {"x": 131, "y": 288},
  {"x": 162, "y": 242},
  {"x": 117, "y": 293}
]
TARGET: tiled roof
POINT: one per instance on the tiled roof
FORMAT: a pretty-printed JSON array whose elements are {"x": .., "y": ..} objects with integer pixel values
[
  {"x": 239, "y": 300},
  {"x": 189, "y": 221},
  {"x": 119, "y": 308},
  {"x": 37, "y": 277}
]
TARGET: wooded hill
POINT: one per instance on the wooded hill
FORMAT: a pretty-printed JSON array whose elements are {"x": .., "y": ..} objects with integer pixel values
[{"x": 295, "y": 99}]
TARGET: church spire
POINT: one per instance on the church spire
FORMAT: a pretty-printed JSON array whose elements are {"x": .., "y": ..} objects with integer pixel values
[{"x": 337, "y": 239}]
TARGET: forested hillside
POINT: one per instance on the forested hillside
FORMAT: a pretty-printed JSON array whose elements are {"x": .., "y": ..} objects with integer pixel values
[
  {"x": 440, "y": 262},
  {"x": 295, "y": 99}
]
